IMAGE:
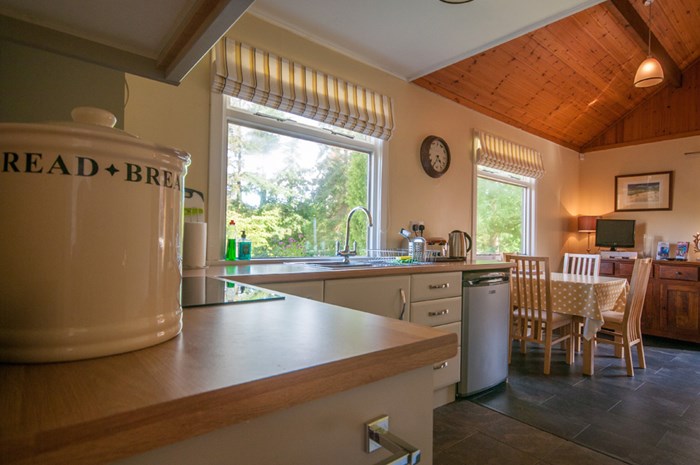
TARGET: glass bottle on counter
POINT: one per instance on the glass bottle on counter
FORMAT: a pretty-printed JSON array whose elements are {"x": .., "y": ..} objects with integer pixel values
[
  {"x": 244, "y": 246},
  {"x": 231, "y": 241}
]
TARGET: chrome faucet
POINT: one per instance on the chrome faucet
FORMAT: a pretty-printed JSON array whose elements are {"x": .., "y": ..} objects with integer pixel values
[{"x": 346, "y": 253}]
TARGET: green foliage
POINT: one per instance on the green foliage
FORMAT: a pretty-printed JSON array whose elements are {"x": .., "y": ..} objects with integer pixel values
[
  {"x": 499, "y": 217},
  {"x": 288, "y": 206},
  {"x": 356, "y": 190}
]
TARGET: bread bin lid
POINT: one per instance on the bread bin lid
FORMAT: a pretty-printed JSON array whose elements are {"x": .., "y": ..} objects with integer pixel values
[{"x": 94, "y": 124}]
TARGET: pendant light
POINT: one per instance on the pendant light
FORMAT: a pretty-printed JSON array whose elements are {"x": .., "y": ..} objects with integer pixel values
[{"x": 649, "y": 72}]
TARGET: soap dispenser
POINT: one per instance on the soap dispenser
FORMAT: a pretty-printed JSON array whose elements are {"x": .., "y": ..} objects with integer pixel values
[
  {"x": 244, "y": 246},
  {"x": 231, "y": 241}
]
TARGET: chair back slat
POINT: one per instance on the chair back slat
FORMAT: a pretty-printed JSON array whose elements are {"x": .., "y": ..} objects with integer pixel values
[
  {"x": 584, "y": 264},
  {"x": 635, "y": 299},
  {"x": 531, "y": 298}
]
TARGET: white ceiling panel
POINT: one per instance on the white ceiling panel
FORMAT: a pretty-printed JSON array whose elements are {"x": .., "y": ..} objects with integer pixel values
[{"x": 411, "y": 38}]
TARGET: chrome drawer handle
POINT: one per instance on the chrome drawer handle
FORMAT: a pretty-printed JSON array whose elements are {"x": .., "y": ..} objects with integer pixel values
[
  {"x": 439, "y": 286},
  {"x": 378, "y": 436},
  {"x": 441, "y": 366},
  {"x": 439, "y": 313}
]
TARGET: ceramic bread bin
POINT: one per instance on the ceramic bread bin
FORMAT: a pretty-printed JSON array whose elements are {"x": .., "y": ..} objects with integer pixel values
[{"x": 91, "y": 240}]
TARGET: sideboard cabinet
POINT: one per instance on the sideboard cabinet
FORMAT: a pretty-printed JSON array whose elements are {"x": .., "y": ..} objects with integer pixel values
[{"x": 672, "y": 302}]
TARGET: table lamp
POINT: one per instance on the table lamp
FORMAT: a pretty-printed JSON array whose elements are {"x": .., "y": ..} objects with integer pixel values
[{"x": 587, "y": 224}]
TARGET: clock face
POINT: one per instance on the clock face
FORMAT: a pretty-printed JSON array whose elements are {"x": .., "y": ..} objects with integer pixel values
[
  {"x": 435, "y": 156},
  {"x": 438, "y": 155}
]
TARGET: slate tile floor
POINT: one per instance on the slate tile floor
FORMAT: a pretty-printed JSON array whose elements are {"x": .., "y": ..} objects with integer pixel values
[{"x": 570, "y": 419}]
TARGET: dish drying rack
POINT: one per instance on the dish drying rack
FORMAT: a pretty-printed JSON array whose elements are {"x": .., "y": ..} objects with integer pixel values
[{"x": 393, "y": 256}]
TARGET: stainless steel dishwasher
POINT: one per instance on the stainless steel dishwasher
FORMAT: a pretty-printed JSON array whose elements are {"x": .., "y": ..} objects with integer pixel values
[{"x": 485, "y": 303}]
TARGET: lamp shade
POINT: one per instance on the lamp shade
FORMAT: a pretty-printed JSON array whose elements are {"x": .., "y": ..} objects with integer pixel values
[
  {"x": 587, "y": 223},
  {"x": 649, "y": 73}
]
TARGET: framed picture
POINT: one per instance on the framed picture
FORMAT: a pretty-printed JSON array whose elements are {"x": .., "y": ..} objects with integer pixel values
[
  {"x": 644, "y": 191},
  {"x": 662, "y": 251}
]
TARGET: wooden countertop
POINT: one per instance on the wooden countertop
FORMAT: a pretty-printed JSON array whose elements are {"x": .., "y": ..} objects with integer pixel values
[
  {"x": 231, "y": 363},
  {"x": 293, "y": 272}
]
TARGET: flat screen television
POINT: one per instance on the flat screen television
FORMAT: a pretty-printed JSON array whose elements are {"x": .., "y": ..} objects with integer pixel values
[{"x": 614, "y": 234}]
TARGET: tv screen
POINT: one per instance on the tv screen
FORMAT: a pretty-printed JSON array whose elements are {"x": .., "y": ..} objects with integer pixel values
[{"x": 614, "y": 233}]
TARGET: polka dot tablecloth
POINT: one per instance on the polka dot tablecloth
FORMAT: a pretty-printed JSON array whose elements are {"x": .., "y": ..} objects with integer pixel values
[{"x": 588, "y": 297}]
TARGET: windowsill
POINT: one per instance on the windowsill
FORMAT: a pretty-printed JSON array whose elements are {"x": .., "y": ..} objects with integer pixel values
[
  {"x": 273, "y": 261},
  {"x": 489, "y": 257}
]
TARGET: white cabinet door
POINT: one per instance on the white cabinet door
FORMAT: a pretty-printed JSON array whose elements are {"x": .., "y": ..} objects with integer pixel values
[
  {"x": 385, "y": 295},
  {"x": 328, "y": 430},
  {"x": 308, "y": 289}
]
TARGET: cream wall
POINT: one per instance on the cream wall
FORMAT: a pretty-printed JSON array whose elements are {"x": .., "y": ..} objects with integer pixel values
[
  {"x": 174, "y": 116},
  {"x": 179, "y": 116},
  {"x": 37, "y": 86},
  {"x": 598, "y": 172}
]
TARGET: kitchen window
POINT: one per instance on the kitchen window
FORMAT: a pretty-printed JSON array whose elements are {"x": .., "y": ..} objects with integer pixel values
[
  {"x": 504, "y": 205},
  {"x": 289, "y": 182}
]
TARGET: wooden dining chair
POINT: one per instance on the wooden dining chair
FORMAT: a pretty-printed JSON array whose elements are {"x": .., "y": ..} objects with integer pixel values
[
  {"x": 581, "y": 264},
  {"x": 531, "y": 316},
  {"x": 626, "y": 327}
]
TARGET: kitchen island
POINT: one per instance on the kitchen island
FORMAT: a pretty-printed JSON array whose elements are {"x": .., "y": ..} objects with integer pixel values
[
  {"x": 232, "y": 366},
  {"x": 290, "y": 380}
]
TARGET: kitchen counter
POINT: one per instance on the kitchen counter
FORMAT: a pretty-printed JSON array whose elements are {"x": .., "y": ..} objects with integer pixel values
[
  {"x": 294, "y": 272},
  {"x": 230, "y": 364}
]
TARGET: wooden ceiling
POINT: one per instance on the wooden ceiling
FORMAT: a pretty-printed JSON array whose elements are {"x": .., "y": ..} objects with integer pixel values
[{"x": 571, "y": 81}]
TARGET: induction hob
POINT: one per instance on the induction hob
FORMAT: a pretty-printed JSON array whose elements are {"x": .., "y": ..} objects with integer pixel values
[{"x": 199, "y": 291}]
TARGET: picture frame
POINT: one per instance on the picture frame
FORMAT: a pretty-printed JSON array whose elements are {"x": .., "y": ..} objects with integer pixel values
[{"x": 644, "y": 191}]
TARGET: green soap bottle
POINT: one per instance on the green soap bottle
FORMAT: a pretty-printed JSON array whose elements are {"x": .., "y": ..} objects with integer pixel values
[
  {"x": 231, "y": 241},
  {"x": 244, "y": 246}
]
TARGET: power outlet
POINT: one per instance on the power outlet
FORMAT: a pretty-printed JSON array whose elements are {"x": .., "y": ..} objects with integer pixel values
[{"x": 414, "y": 224}]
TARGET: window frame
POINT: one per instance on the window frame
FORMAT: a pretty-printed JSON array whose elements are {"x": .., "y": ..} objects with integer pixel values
[
  {"x": 221, "y": 116},
  {"x": 529, "y": 186}
]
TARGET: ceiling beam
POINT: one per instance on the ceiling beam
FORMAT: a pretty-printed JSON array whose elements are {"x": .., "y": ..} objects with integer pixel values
[{"x": 671, "y": 70}]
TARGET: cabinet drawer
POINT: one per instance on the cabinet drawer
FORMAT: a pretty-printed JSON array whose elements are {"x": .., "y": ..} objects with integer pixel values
[
  {"x": 624, "y": 269},
  {"x": 683, "y": 273},
  {"x": 447, "y": 372},
  {"x": 435, "y": 286},
  {"x": 437, "y": 312},
  {"x": 455, "y": 328}
]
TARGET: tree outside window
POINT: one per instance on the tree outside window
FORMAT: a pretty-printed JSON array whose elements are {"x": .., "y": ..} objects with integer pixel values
[
  {"x": 503, "y": 213},
  {"x": 291, "y": 195}
]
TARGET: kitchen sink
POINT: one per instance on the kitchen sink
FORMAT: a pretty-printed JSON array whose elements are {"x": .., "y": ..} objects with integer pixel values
[
  {"x": 357, "y": 264},
  {"x": 340, "y": 264}
]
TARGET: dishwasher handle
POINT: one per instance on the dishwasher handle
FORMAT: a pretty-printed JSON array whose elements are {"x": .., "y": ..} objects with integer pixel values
[{"x": 486, "y": 281}]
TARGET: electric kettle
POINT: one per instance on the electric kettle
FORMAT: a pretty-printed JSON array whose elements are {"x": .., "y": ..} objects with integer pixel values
[{"x": 459, "y": 244}]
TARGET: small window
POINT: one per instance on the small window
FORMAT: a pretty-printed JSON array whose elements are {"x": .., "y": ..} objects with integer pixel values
[
  {"x": 504, "y": 213},
  {"x": 290, "y": 182}
]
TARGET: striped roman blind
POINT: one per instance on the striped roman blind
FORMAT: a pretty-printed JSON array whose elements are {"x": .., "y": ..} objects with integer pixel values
[
  {"x": 243, "y": 71},
  {"x": 496, "y": 152}
]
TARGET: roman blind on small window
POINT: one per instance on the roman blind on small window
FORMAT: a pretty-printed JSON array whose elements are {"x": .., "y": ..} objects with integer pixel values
[
  {"x": 496, "y": 152},
  {"x": 252, "y": 74}
]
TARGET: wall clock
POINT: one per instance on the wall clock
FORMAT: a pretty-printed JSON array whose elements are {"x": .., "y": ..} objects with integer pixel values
[{"x": 435, "y": 156}]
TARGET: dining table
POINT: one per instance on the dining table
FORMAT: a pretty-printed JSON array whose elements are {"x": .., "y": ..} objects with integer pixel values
[{"x": 588, "y": 297}]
